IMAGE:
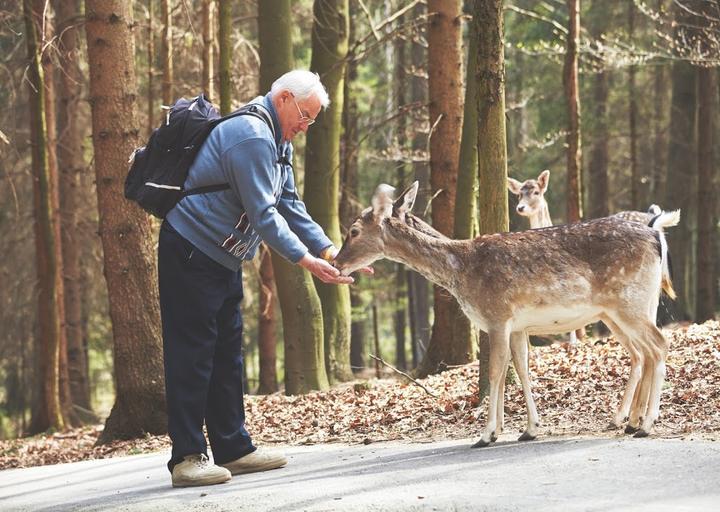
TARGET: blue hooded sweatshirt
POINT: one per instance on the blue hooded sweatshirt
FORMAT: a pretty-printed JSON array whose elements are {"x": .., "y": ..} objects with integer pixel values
[{"x": 261, "y": 204}]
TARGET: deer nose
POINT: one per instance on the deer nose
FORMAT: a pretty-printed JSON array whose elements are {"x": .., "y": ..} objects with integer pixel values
[{"x": 520, "y": 208}]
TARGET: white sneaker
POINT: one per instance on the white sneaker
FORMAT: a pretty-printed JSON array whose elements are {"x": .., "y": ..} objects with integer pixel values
[
  {"x": 196, "y": 469},
  {"x": 259, "y": 460}
]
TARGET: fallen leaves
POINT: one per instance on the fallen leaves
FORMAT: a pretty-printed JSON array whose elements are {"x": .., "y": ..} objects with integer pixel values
[{"x": 576, "y": 388}]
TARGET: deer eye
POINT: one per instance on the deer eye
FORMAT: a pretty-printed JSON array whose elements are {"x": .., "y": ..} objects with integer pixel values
[
  {"x": 536, "y": 193},
  {"x": 354, "y": 232}
]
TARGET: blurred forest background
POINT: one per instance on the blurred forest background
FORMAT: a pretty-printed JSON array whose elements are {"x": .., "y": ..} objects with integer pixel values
[{"x": 617, "y": 98}]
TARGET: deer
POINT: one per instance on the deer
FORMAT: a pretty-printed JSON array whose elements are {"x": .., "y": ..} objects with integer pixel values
[{"x": 542, "y": 281}]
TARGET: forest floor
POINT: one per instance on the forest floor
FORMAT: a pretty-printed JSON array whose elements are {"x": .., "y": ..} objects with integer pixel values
[{"x": 576, "y": 388}]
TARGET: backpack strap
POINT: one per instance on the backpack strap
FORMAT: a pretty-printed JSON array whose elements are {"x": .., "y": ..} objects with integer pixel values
[{"x": 251, "y": 109}]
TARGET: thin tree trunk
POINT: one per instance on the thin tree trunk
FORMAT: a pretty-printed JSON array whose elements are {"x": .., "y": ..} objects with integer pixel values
[
  {"x": 322, "y": 173},
  {"x": 572, "y": 96},
  {"x": 151, "y": 66},
  {"x": 207, "y": 53},
  {"x": 446, "y": 103},
  {"x": 598, "y": 190},
  {"x": 299, "y": 302},
  {"x": 124, "y": 229},
  {"x": 225, "y": 53},
  {"x": 659, "y": 125},
  {"x": 636, "y": 186},
  {"x": 491, "y": 135},
  {"x": 70, "y": 149},
  {"x": 47, "y": 412},
  {"x": 166, "y": 53},
  {"x": 266, "y": 326}
]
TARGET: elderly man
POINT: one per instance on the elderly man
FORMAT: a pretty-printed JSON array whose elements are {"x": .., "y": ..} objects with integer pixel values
[{"x": 203, "y": 241}]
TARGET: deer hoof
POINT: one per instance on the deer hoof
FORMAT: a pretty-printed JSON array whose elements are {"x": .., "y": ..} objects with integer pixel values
[
  {"x": 631, "y": 430},
  {"x": 641, "y": 433},
  {"x": 481, "y": 444},
  {"x": 493, "y": 437},
  {"x": 526, "y": 436}
]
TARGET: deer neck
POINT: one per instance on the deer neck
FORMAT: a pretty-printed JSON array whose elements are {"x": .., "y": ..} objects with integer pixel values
[
  {"x": 438, "y": 260},
  {"x": 542, "y": 218}
]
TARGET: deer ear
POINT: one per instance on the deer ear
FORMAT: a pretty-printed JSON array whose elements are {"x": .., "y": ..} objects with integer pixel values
[
  {"x": 543, "y": 180},
  {"x": 514, "y": 186},
  {"x": 405, "y": 202},
  {"x": 382, "y": 201}
]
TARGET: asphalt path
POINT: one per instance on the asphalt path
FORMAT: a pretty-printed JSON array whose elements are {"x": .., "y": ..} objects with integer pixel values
[{"x": 551, "y": 474}]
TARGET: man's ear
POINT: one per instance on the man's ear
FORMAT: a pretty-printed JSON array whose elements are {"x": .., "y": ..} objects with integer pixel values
[
  {"x": 405, "y": 202},
  {"x": 382, "y": 201},
  {"x": 544, "y": 180},
  {"x": 514, "y": 186}
]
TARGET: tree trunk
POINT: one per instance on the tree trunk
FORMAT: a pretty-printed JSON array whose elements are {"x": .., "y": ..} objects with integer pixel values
[
  {"x": 445, "y": 90},
  {"x": 659, "y": 126},
  {"x": 466, "y": 198},
  {"x": 491, "y": 137},
  {"x": 322, "y": 173},
  {"x": 299, "y": 302},
  {"x": 636, "y": 200},
  {"x": 151, "y": 67},
  {"x": 70, "y": 150},
  {"x": 47, "y": 412},
  {"x": 418, "y": 287},
  {"x": 597, "y": 190},
  {"x": 681, "y": 176},
  {"x": 166, "y": 53},
  {"x": 225, "y": 53},
  {"x": 572, "y": 96},
  {"x": 125, "y": 232},
  {"x": 266, "y": 326},
  {"x": 207, "y": 53}
]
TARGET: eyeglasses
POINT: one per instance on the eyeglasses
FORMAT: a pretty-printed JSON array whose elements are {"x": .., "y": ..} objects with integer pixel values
[{"x": 303, "y": 118}]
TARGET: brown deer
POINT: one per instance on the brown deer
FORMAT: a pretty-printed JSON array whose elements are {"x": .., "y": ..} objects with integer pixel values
[{"x": 542, "y": 281}]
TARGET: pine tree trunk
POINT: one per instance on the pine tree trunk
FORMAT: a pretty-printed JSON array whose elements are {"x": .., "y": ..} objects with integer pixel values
[
  {"x": 491, "y": 135},
  {"x": 659, "y": 126},
  {"x": 467, "y": 184},
  {"x": 446, "y": 103},
  {"x": 151, "y": 67},
  {"x": 71, "y": 163},
  {"x": 322, "y": 173},
  {"x": 266, "y": 326},
  {"x": 597, "y": 190},
  {"x": 636, "y": 200},
  {"x": 299, "y": 302},
  {"x": 47, "y": 412},
  {"x": 572, "y": 97},
  {"x": 166, "y": 53},
  {"x": 225, "y": 53},
  {"x": 125, "y": 232},
  {"x": 207, "y": 53},
  {"x": 681, "y": 175}
]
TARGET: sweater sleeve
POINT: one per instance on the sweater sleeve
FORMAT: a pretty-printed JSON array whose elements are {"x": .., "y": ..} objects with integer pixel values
[{"x": 249, "y": 168}]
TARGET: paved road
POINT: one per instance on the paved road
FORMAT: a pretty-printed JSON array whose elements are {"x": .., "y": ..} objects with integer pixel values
[{"x": 567, "y": 474}]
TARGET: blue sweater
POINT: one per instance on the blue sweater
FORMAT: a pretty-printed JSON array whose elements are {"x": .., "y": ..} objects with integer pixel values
[{"x": 261, "y": 203}]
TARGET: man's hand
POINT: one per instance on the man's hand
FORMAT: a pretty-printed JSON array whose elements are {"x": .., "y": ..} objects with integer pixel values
[
  {"x": 331, "y": 252},
  {"x": 323, "y": 270}
]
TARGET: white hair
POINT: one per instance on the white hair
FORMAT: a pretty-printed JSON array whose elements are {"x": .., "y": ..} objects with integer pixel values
[{"x": 302, "y": 84}]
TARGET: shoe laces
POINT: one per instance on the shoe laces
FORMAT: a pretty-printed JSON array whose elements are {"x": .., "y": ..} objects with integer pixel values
[{"x": 201, "y": 460}]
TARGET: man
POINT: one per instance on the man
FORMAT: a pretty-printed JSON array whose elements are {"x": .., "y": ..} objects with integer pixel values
[{"x": 203, "y": 242}]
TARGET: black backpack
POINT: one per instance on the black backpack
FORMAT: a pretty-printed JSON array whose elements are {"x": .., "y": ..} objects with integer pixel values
[{"x": 159, "y": 169}]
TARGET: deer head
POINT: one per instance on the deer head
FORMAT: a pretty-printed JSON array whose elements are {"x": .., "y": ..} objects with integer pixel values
[
  {"x": 531, "y": 194},
  {"x": 365, "y": 241}
]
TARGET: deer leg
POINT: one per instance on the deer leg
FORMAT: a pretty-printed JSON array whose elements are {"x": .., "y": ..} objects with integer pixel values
[
  {"x": 499, "y": 355},
  {"x": 657, "y": 374},
  {"x": 623, "y": 412},
  {"x": 500, "y": 406},
  {"x": 519, "y": 348}
]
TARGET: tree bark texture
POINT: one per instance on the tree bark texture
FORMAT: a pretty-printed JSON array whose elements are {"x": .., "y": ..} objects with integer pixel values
[
  {"x": 71, "y": 164},
  {"x": 572, "y": 97},
  {"x": 166, "y": 53},
  {"x": 322, "y": 173},
  {"x": 446, "y": 104},
  {"x": 47, "y": 412},
  {"x": 266, "y": 326},
  {"x": 129, "y": 265}
]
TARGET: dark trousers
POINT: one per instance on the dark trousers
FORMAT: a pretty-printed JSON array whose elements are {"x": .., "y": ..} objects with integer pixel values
[{"x": 202, "y": 343}]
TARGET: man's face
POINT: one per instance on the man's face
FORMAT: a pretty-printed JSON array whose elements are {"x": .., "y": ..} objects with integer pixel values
[{"x": 295, "y": 116}]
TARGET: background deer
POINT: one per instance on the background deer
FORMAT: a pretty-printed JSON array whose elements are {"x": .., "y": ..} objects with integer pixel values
[{"x": 541, "y": 281}]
